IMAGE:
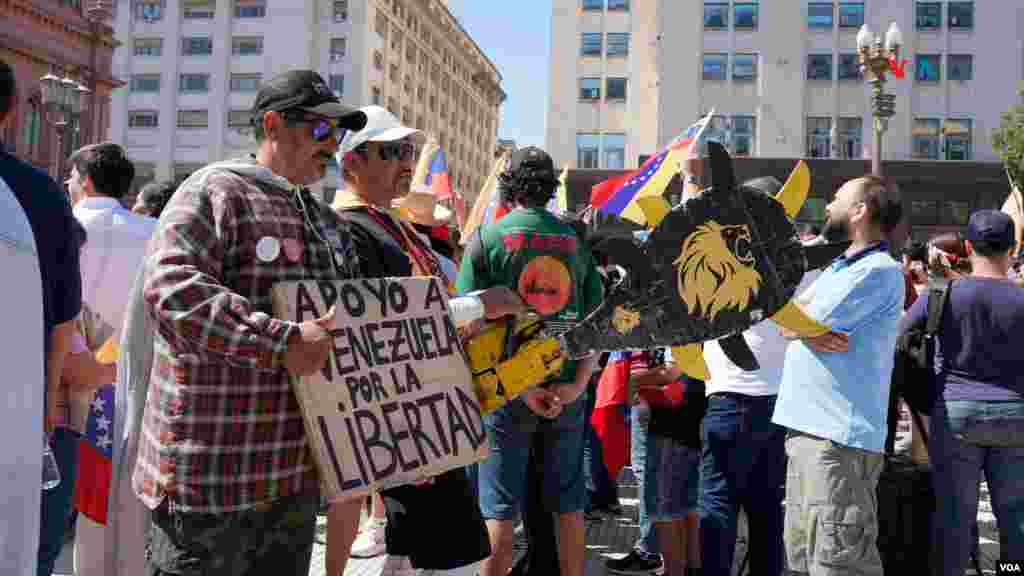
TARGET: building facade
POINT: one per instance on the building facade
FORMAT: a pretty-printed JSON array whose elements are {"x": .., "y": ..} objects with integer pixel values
[
  {"x": 67, "y": 38},
  {"x": 784, "y": 82},
  {"x": 194, "y": 67}
]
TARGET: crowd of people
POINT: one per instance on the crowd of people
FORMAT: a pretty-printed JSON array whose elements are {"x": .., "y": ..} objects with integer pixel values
[{"x": 145, "y": 326}]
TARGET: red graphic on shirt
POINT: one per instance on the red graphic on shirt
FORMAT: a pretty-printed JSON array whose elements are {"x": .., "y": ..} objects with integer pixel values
[{"x": 546, "y": 285}]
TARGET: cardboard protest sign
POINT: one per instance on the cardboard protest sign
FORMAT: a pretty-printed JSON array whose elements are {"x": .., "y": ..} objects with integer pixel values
[{"x": 395, "y": 402}]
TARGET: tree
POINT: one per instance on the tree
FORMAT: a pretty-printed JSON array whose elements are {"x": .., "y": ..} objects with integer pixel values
[{"x": 1008, "y": 140}]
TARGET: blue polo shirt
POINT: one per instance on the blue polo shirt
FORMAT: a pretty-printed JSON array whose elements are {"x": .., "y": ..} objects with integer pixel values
[
  {"x": 844, "y": 396},
  {"x": 57, "y": 235}
]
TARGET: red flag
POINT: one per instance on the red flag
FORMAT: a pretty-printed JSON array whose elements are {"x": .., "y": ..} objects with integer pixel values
[
  {"x": 608, "y": 420},
  {"x": 899, "y": 69}
]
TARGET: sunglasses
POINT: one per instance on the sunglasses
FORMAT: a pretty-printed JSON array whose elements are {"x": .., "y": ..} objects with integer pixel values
[
  {"x": 320, "y": 128},
  {"x": 401, "y": 150}
]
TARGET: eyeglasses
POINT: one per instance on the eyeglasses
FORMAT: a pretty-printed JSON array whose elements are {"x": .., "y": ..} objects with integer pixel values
[
  {"x": 402, "y": 150},
  {"x": 321, "y": 128}
]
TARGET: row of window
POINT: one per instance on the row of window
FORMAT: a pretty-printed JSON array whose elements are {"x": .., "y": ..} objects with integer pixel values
[
  {"x": 198, "y": 46},
  {"x": 716, "y": 15},
  {"x": 825, "y": 15},
  {"x": 615, "y": 89},
  {"x": 959, "y": 15},
  {"x": 592, "y": 44},
  {"x": 716, "y": 66},
  {"x": 928, "y": 67},
  {"x": 613, "y": 5},
  {"x": 146, "y": 119},
  {"x": 200, "y": 83},
  {"x": 153, "y": 10}
]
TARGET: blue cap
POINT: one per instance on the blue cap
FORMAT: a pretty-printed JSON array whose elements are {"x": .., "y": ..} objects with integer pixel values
[{"x": 992, "y": 228}]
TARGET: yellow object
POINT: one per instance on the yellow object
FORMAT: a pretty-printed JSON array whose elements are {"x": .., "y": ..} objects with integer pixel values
[
  {"x": 655, "y": 208},
  {"x": 794, "y": 191},
  {"x": 109, "y": 352},
  {"x": 792, "y": 318},
  {"x": 690, "y": 359},
  {"x": 502, "y": 367},
  {"x": 561, "y": 196}
]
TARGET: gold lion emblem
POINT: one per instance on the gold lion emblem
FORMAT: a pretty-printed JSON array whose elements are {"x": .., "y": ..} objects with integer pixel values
[
  {"x": 716, "y": 269},
  {"x": 625, "y": 320}
]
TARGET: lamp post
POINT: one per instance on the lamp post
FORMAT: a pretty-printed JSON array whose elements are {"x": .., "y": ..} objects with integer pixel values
[
  {"x": 875, "y": 61},
  {"x": 63, "y": 100}
]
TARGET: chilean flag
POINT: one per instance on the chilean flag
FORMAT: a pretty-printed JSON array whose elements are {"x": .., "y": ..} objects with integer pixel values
[
  {"x": 608, "y": 418},
  {"x": 437, "y": 176},
  {"x": 92, "y": 487}
]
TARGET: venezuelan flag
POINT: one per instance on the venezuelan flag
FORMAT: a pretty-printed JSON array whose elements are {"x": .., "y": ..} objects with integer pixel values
[
  {"x": 437, "y": 179},
  {"x": 609, "y": 418},
  {"x": 619, "y": 195}
]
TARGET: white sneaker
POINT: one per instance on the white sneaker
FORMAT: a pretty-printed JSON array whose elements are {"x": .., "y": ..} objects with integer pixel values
[
  {"x": 398, "y": 566},
  {"x": 370, "y": 542}
]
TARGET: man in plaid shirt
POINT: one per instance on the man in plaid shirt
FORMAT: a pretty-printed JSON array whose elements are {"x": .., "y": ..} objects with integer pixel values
[{"x": 223, "y": 463}]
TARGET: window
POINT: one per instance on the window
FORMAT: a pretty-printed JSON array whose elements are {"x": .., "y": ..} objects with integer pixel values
[
  {"x": 961, "y": 15},
  {"x": 849, "y": 67},
  {"x": 744, "y": 67},
  {"x": 615, "y": 89},
  {"x": 716, "y": 15},
  {"x": 393, "y": 73},
  {"x": 714, "y": 66},
  {"x": 590, "y": 44},
  {"x": 247, "y": 46},
  {"x": 961, "y": 67},
  {"x": 337, "y": 84},
  {"x": 421, "y": 93},
  {"x": 376, "y": 97},
  {"x": 198, "y": 9},
  {"x": 849, "y": 135},
  {"x": 378, "y": 60},
  {"x": 618, "y": 5},
  {"x": 338, "y": 48},
  {"x": 197, "y": 46},
  {"x": 194, "y": 83},
  {"x": 925, "y": 138},
  {"x": 618, "y": 44},
  {"x": 340, "y": 10},
  {"x": 250, "y": 8},
  {"x": 819, "y": 15},
  {"x": 193, "y": 119},
  {"x": 33, "y": 127},
  {"x": 851, "y": 14},
  {"x": 614, "y": 151},
  {"x": 143, "y": 119},
  {"x": 745, "y": 16},
  {"x": 590, "y": 89},
  {"x": 145, "y": 83},
  {"x": 744, "y": 134},
  {"x": 929, "y": 15},
  {"x": 928, "y": 68},
  {"x": 717, "y": 131},
  {"x": 239, "y": 118},
  {"x": 819, "y": 67},
  {"x": 587, "y": 146},
  {"x": 592, "y": 5},
  {"x": 407, "y": 84},
  {"x": 819, "y": 137},
  {"x": 392, "y": 106},
  {"x": 149, "y": 10},
  {"x": 410, "y": 52},
  {"x": 245, "y": 82},
  {"x": 958, "y": 139},
  {"x": 381, "y": 25},
  {"x": 148, "y": 46}
]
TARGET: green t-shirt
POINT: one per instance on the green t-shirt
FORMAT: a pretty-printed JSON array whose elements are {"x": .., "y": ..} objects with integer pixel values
[{"x": 539, "y": 256}]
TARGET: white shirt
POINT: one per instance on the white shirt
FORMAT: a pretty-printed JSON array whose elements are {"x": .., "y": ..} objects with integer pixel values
[
  {"x": 769, "y": 347},
  {"x": 21, "y": 411},
  {"x": 114, "y": 249}
]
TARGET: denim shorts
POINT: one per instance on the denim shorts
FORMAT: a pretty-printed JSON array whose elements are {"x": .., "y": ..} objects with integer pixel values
[
  {"x": 671, "y": 478},
  {"x": 502, "y": 476}
]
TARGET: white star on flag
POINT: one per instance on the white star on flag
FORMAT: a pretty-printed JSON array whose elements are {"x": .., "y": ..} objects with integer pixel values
[
  {"x": 103, "y": 442},
  {"x": 98, "y": 404},
  {"x": 103, "y": 423}
]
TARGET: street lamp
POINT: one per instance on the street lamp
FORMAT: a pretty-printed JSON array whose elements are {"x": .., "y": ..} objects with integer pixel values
[
  {"x": 63, "y": 101},
  {"x": 876, "y": 61}
]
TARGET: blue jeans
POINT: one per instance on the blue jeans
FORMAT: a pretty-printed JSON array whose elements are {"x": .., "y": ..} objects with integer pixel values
[
  {"x": 643, "y": 448},
  {"x": 965, "y": 439},
  {"x": 743, "y": 465},
  {"x": 602, "y": 491},
  {"x": 56, "y": 506}
]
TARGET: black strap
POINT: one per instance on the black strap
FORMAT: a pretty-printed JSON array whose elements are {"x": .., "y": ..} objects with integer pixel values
[
  {"x": 478, "y": 258},
  {"x": 937, "y": 300}
]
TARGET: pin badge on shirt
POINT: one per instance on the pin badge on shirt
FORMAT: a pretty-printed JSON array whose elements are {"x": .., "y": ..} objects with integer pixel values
[
  {"x": 268, "y": 249},
  {"x": 292, "y": 249}
]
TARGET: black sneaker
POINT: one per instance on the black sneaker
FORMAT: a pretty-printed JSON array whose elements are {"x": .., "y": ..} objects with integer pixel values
[{"x": 635, "y": 563}]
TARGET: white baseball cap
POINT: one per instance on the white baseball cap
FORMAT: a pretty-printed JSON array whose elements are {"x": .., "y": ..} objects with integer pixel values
[{"x": 381, "y": 126}]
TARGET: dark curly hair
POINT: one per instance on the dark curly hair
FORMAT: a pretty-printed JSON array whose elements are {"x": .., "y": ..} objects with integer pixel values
[
  {"x": 108, "y": 168},
  {"x": 526, "y": 188}
]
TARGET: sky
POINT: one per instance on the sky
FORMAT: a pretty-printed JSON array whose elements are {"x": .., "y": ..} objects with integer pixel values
[{"x": 515, "y": 37}]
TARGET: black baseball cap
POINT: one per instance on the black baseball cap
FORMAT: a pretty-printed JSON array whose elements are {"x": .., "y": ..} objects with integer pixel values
[
  {"x": 991, "y": 228},
  {"x": 535, "y": 161},
  {"x": 305, "y": 90}
]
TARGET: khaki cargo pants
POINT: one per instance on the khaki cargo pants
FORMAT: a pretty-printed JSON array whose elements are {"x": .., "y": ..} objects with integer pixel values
[{"x": 831, "y": 508}]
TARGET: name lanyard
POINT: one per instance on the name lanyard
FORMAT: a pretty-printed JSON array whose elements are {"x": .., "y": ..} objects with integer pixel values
[{"x": 423, "y": 258}]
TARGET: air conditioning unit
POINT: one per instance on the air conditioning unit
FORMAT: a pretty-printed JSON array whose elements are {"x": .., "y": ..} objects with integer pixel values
[{"x": 340, "y": 16}]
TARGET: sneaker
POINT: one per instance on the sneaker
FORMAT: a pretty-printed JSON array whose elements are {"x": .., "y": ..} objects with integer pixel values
[
  {"x": 370, "y": 542},
  {"x": 635, "y": 563},
  {"x": 398, "y": 566}
]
